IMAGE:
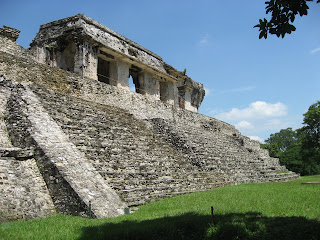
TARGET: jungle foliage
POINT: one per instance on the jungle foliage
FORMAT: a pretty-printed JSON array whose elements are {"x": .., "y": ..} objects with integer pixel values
[
  {"x": 283, "y": 14},
  {"x": 299, "y": 150}
]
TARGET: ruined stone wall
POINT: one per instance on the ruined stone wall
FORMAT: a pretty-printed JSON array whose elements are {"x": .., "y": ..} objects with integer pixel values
[
  {"x": 86, "y": 26},
  {"x": 65, "y": 82},
  {"x": 143, "y": 148},
  {"x": 11, "y": 47},
  {"x": 87, "y": 41},
  {"x": 10, "y": 32},
  {"x": 24, "y": 194}
]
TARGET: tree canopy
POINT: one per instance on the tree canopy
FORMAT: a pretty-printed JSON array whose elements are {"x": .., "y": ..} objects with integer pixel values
[
  {"x": 311, "y": 130},
  {"x": 299, "y": 149},
  {"x": 283, "y": 13}
]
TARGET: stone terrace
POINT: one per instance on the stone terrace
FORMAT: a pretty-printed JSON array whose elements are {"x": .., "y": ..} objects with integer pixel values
[
  {"x": 210, "y": 149},
  {"x": 135, "y": 162}
]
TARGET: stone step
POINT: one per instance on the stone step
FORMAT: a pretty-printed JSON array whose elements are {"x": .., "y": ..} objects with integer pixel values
[
  {"x": 126, "y": 142},
  {"x": 140, "y": 162}
]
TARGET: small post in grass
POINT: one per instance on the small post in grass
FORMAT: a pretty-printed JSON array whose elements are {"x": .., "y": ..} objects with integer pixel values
[
  {"x": 90, "y": 211},
  {"x": 212, "y": 216},
  {"x": 126, "y": 211}
]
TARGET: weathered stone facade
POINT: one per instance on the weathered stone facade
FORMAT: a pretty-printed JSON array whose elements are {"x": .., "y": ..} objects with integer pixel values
[
  {"x": 80, "y": 44},
  {"x": 79, "y": 146},
  {"x": 10, "y": 32}
]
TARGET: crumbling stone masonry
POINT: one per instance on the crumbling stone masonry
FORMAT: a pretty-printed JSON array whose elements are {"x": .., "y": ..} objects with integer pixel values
[
  {"x": 80, "y": 44},
  {"x": 23, "y": 192},
  {"x": 10, "y": 32},
  {"x": 85, "y": 145}
]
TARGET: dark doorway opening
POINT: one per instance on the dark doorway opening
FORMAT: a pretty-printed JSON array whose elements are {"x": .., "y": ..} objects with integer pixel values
[
  {"x": 103, "y": 71},
  {"x": 164, "y": 91}
]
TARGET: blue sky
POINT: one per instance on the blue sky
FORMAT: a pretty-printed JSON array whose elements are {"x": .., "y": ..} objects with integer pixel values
[{"x": 260, "y": 86}]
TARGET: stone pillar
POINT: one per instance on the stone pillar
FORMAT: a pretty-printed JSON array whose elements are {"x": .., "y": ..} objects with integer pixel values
[
  {"x": 41, "y": 54},
  {"x": 169, "y": 93},
  {"x": 188, "y": 101},
  {"x": 86, "y": 60},
  {"x": 119, "y": 74},
  {"x": 173, "y": 93},
  {"x": 185, "y": 98},
  {"x": 149, "y": 85}
]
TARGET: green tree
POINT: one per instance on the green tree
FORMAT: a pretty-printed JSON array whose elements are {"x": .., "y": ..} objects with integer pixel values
[
  {"x": 283, "y": 13},
  {"x": 292, "y": 159},
  {"x": 310, "y": 139},
  {"x": 286, "y": 146},
  {"x": 279, "y": 142},
  {"x": 299, "y": 150},
  {"x": 311, "y": 130}
]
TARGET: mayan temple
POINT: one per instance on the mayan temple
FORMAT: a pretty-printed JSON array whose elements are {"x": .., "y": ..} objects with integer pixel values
[{"x": 74, "y": 139}]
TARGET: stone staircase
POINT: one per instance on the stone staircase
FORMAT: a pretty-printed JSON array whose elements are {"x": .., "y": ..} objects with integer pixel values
[
  {"x": 4, "y": 138},
  {"x": 137, "y": 163},
  {"x": 212, "y": 149},
  {"x": 23, "y": 192}
]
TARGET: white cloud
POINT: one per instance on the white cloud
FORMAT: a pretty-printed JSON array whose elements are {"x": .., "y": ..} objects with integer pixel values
[
  {"x": 244, "y": 125},
  {"x": 205, "y": 40},
  {"x": 240, "y": 89},
  {"x": 315, "y": 50},
  {"x": 257, "y": 138},
  {"x": 256, "y": 110},
  {"x": 276, "y": 124},
  {"x": 212, "y": 112}
]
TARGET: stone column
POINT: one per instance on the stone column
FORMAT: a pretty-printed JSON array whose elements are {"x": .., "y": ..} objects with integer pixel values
[
  {"x": 188, "y": 101},
  {"x": 119, "y": 74},
  {"x": 41, "y": 54},
  {"x": 173, "y": 93},
  {"x": 185, "y": 98},
  {"x": 169, "y": 93},
  {"x": 86, "y": 60},
  {"x": 149, "y": 85}
]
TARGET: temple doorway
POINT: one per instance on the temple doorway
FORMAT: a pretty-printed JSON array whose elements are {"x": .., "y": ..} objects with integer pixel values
[{"x": 103, "y": 70}]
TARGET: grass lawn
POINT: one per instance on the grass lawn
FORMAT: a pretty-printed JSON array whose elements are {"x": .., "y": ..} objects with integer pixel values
[{"x": 288, "y": 210}]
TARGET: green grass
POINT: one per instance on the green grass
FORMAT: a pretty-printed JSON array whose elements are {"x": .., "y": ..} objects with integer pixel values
[{"x": 250, "y": 211}]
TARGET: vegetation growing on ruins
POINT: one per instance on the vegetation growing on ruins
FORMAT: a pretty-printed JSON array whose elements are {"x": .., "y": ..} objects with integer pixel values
[
  {"x": 299, "y": 150},
  {"x": 249, "y": 211},
  {"x": 283, "y": 13}
]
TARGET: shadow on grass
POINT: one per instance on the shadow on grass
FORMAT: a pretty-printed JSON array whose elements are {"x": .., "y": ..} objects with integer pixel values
[{"x": 250, "y": 225}]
